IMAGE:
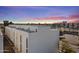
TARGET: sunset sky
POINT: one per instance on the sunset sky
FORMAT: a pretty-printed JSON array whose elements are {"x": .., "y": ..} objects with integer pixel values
[{"x": 24, "y": 13}]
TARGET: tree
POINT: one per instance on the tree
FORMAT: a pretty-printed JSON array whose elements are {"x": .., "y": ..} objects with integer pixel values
[{"x": 10, "y": 22}]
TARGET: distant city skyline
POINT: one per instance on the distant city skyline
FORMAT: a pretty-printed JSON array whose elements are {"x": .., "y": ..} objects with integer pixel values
[{"x": 24, "y": 13}]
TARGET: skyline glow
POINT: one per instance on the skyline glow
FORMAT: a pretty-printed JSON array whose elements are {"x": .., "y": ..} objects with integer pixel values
[{"x": 24, "y": 13}]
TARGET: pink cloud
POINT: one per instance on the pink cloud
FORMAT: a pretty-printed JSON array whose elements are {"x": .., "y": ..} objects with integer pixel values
[
  {"x": 74, "y": 16},
  {"x": 52, "y": 18},
  {"x": 70, "y": 17}
]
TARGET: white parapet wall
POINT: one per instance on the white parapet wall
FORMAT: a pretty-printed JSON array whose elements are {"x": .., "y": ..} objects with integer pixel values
[
  {"x": 40, "y": 41},
  {"x": 1, "y": 42}
]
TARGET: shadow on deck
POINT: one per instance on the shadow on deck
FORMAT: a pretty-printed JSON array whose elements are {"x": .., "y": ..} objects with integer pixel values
[{"x": 8, "y": 45}]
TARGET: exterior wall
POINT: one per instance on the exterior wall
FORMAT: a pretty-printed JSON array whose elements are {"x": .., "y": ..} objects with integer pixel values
[
  {"x": 44, "y": 41},
  {"x": 24, "y": 26},
  {"x": 15, "y": 36},
  {"x": 10, "y": 32},
  {"x": 25, "y": 35},
  {"x": 1, "y": 42},
  {"x": 17, "y": 40},
  {"x": 32, "y": 27}
]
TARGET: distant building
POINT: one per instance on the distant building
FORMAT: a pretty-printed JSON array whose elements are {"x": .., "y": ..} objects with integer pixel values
[{"x": 6, "y": 23}]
